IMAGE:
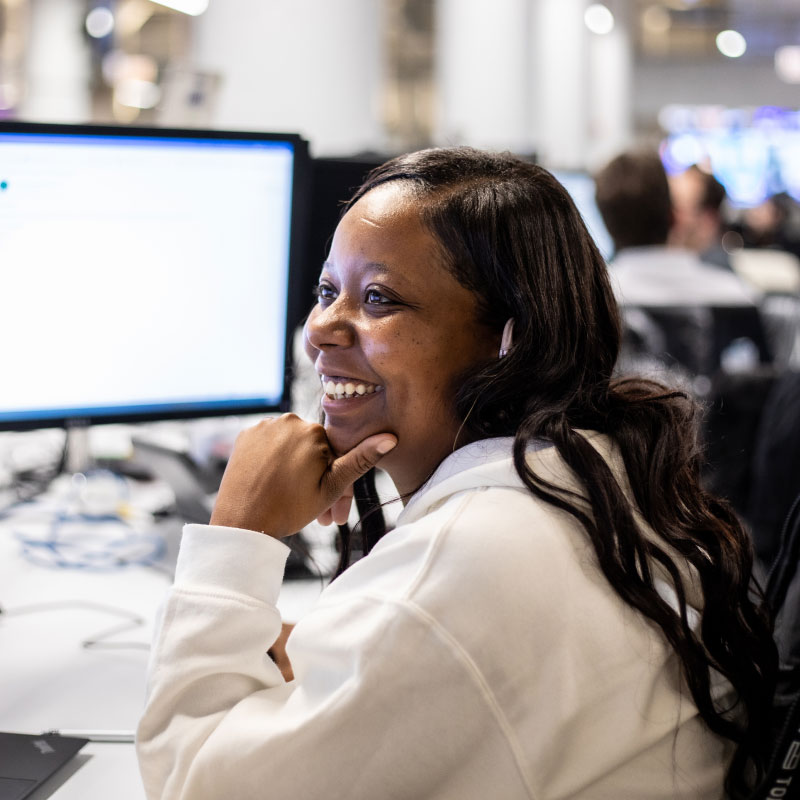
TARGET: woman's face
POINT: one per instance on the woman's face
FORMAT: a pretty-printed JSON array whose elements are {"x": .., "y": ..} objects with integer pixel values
[{"x": 391, "y": 335}]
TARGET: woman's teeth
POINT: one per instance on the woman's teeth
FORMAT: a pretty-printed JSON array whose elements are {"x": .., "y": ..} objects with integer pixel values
[{"x": 340, "y": 389}]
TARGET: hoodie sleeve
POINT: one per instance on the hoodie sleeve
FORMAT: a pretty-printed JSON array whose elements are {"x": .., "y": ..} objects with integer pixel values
[{"x": 384, "y": 704}]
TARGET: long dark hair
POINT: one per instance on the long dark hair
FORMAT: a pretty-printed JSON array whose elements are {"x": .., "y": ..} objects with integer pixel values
[{"x": 512, "y": 235}]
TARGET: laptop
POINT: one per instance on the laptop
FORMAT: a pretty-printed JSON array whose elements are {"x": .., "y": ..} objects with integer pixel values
[{"x": 27, "y": 761}]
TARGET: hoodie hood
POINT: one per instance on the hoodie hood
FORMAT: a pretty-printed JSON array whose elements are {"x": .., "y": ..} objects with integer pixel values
[{"x": 490, "y": 463}]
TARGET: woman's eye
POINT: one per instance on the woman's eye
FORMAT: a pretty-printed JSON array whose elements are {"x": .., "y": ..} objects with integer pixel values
[
  {"x": 324, "y": 292},
  {"x": 374, "y": 297}
]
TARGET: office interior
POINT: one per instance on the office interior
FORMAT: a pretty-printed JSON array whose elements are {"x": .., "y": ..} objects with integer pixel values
[{"x": 93, "y": 497}]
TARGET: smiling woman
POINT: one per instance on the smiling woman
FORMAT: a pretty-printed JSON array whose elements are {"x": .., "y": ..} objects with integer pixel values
[{"x": 561, "y": 610}]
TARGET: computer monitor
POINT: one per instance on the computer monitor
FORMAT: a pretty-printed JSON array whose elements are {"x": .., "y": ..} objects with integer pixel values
[
  {"x": 581, "y": 188},
  {"x": 332, "y": 182},
  {"x": 148, "y": 273}
]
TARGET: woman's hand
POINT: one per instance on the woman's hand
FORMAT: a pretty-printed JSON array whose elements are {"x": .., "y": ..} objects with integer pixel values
[{"x": 283, "y": 473}]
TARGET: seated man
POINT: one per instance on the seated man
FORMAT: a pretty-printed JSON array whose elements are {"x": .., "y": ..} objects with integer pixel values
[
  {"x": 679, "y": 310},
  {"x": 697, "y": 198}
]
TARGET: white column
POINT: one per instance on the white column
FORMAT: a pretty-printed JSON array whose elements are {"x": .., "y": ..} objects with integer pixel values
[
  {"x": 559, "y": 40},
  {"x": 610, "y": 83},
  {"x": 582, "y": 92},
  {"x": 307, "y": 66},
  {"x": 483, "y": 73},
  {"x": 57, "y": 63}
]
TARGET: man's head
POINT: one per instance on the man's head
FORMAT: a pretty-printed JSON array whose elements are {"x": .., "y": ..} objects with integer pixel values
[
  {"x": 696, "y": 199},
  {"x": 632, "y": 194}
]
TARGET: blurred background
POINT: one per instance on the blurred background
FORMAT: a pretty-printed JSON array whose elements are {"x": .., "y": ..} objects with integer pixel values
[{"x": 571, "y": 81}]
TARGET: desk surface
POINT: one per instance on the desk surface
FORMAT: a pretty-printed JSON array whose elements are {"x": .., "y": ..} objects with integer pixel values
[
  {"x": 99, "y": 770},
  {"x": 51, "y": 680}
]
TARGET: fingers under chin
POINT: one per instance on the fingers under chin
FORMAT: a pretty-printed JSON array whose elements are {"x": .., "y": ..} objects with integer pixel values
[
  {"x": 340, "y": 510},
  {"x": 340, "y": 519}
]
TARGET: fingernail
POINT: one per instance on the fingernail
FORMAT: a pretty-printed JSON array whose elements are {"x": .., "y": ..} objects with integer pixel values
[{"x": 385, "y": 446}]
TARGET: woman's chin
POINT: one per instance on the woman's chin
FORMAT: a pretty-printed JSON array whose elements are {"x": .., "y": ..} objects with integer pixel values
[{"x": 343, "y": 439}]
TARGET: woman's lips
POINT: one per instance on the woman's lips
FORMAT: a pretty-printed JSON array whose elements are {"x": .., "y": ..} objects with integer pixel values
[{"x": 344, "y": 388}]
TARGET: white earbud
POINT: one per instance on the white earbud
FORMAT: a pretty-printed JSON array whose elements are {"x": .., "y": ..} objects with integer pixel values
[{"x": 506, "y": 339}]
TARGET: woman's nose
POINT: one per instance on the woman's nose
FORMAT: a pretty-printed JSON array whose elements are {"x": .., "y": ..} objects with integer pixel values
[{"x": 328, "y": 326}]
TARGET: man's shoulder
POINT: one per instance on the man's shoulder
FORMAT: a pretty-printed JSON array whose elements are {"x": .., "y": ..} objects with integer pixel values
[{"x": 662, "y": 276}]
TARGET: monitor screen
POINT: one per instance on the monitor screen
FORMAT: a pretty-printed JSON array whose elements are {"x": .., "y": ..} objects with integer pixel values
[
  {"x": 580, "y": 186},
  {"x": 753, "y": 152},
  {"x": 146, "y": 272}
]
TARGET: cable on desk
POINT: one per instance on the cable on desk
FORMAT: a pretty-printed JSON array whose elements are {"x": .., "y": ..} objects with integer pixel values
[
  {"x": 98, "y": 640},
  {"x": 98, "y": 542},
  {"x": 80, "y": 536}
]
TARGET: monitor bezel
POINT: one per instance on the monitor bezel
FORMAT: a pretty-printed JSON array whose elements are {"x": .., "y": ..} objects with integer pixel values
[{"x": 295, "y": 303}]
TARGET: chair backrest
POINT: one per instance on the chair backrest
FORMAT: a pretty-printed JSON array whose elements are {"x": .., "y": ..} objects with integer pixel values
[
  {"x": 774, "y": 467},
  {"x": 734, "y": 323},
  {"x": 783, "y": 594},
  {"x": 735, "y": 406},
  {"x": 781, "y": 316},
  {"x": 700, "y": 338}
]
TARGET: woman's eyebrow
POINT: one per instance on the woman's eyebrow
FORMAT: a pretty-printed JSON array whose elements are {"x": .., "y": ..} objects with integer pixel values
[{"x": 379, "y": 266}]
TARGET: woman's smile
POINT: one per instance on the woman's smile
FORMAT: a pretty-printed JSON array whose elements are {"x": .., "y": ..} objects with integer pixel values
[
  {"x": 337, "y": 388},
  {"x": 343, "y": 396}
]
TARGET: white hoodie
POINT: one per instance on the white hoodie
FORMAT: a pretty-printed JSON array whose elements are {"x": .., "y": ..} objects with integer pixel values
[{"x": 477, "y": 652}]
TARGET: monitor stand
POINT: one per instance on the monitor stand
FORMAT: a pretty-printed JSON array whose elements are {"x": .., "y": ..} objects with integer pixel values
[{"x": 77, "y": 452}]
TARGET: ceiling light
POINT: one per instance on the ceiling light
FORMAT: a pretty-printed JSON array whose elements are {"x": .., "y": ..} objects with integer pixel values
[
  {"x": 731, "y": 44},
  {"x": 599, "y": 19},
  {"x": 99, "y": 22},
  {"x": 193, "y": 7},
  {"x": 787, "y": 63}
]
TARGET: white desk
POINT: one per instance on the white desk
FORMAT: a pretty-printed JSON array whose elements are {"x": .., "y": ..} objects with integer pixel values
[
  {"x": 98, "y": 771},
  {"x": 51, "y": 681}
]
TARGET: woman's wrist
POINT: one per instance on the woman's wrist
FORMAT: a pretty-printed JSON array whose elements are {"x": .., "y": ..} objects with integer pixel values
[{"x": 227, "y": 519}]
